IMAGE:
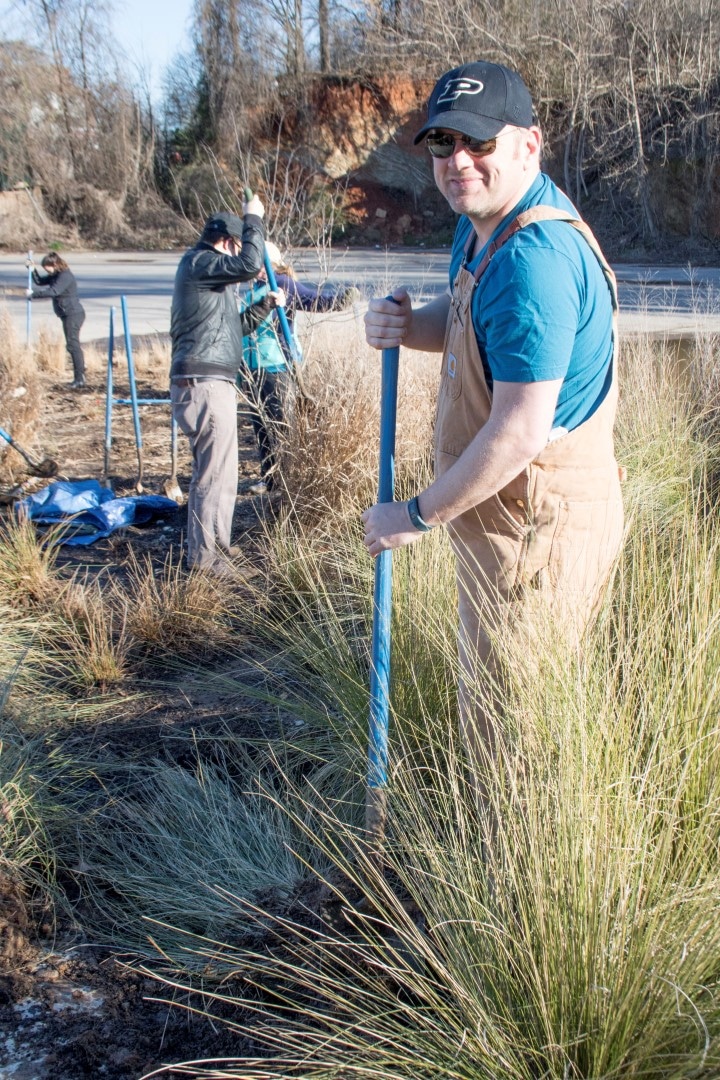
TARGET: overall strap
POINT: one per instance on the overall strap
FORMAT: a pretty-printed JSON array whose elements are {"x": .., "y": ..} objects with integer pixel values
[{"x": 544, "y": 213}]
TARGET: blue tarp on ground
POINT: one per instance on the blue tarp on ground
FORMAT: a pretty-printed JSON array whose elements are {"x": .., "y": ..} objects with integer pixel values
[{"x": 90, "y": 510}]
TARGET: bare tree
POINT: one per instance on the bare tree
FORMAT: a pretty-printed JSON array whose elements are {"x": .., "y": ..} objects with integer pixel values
[
  {"x": 324, "y": 35},
  {"x": 85, "y": 138}
]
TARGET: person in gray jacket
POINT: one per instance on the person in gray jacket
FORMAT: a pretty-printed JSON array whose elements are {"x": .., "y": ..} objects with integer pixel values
[
  {"x": 59, "y": 285},
  {"x": 206, "y": 333}
]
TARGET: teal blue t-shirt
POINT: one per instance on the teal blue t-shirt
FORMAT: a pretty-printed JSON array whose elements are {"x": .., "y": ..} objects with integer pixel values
[{"x": 542, "y": 310}]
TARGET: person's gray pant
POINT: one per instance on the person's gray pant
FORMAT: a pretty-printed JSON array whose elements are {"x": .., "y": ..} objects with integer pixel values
[{"x": 206, "y": 410}]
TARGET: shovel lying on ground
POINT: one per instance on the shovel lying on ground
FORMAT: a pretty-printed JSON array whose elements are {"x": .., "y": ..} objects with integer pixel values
[{"x": 45, "y": 468}]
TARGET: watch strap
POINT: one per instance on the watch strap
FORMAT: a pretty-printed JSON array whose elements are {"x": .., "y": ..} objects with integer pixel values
[{"x": 414, "y": 512}]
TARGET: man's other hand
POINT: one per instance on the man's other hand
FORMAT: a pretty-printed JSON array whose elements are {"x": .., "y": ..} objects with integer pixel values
[
  {"x": 254, "y": 206},
  {"x": 387, "y": 322},
  {"x": 388, "y": 526}
]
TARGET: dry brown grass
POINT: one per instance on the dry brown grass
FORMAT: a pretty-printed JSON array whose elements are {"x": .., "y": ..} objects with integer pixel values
[
  {"x": 171, "y": 612},
  {"x": 96, "y": 638},
  {"x": 28, "y": 578},
  {"x": 151, "y": 356},
  {"x": 151, "y": 359},
  {"x": 19, "y": 400},
  {"x": 329, "y": 450},
  {"x": 49, "y": 355},
  {"x": 76, "y": 631},
  {"x": 704, "y": 379}
]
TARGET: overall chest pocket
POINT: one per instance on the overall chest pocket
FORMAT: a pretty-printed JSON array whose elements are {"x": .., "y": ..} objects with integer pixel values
[{"x": 451, "y": 376}]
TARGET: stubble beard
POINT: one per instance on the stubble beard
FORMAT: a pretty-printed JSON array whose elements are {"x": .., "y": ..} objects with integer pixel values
[{"x": 479, "y": 205}]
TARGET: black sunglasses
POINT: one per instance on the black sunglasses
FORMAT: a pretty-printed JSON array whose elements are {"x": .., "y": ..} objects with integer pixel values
[{"x": 443, "y": 145}]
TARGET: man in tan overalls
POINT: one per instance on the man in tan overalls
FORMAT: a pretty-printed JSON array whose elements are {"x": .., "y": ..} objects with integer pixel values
[{"x": 526, "y": 477}]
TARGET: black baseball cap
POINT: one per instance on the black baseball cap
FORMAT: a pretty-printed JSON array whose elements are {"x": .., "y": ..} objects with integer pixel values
[
  {"x": 478, "y": 100},
  {"x": 224, "y": 224}
]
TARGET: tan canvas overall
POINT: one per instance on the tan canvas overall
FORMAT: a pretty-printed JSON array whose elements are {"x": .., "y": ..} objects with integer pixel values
[{"x": 548, "y": 539}]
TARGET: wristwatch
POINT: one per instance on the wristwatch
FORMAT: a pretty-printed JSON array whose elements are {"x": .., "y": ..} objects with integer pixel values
[{"x": 414, "y": 512}]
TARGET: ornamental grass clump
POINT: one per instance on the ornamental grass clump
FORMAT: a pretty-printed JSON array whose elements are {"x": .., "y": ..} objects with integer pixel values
[
  {"x": 25, "y": 853},
  {"x": 303, "y": 668},
  {"x": 62, "y": 635},
  {"x": 576, "y": 937},
  {"x": 96, "y": 640},
  {"x": 166, "y": 859},
  {"x": 313, "y": 629},
  {"x": 171, "y": 613},
  {"x": 28, "y": 577},
  {"x": 328, "y": 449},
  {"x": 568, "y": 929}
]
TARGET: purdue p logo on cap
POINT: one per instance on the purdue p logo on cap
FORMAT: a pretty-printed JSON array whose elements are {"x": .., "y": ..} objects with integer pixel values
[{"x": 455, "y": 87}]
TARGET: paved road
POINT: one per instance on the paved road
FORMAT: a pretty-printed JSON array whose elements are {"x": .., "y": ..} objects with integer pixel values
[{"x": 668, "y": 299}]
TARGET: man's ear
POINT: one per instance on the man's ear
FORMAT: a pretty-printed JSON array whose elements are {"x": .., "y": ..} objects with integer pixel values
[{"x": 534, "y": 142}]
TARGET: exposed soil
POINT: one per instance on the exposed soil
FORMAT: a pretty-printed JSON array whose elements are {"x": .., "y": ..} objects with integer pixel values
[
  {"x": 68, "y": 1009},
  {"x": 72, "y": 432}
]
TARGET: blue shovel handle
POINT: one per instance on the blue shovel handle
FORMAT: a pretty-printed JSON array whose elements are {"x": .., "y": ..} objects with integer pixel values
[
  {"x": 280, "y": 312},
  {"x": 382, "y": 596},
  {"x": 376, "y": 798},
  {"x": 133, "y": 391},
  {"x": 28, "y": 314}
]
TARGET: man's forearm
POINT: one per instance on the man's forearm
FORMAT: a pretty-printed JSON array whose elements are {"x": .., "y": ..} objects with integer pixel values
[
  {"x": 427, "y": 328},
  {"x": 485, "y": 467},
  {"x": 514, "y": 435}
]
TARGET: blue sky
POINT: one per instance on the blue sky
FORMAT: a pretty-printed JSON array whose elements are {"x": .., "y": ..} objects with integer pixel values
[{"x": 150, "y": 32}]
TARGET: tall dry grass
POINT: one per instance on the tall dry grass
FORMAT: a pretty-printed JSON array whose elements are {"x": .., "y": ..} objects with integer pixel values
[
  {"x": 328, "y": 449},
  {"x": 19, "y": 401},
  {"x": 48, "y": 351},
  {"x": 151, "y": 355},
  {"x": 151, "y": 358},
  {"x": 581, "y": 938}
]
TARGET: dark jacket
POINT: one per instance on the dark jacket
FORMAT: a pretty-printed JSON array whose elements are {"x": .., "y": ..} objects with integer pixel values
[
  {"x": 62, "y": 288},
  {"x": 205, "y": 328}
]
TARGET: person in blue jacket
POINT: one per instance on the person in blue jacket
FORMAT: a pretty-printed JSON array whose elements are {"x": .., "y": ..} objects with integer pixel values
[
  {"x": 59, "y": 285},
  {"x": 265, "y": 371}
]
